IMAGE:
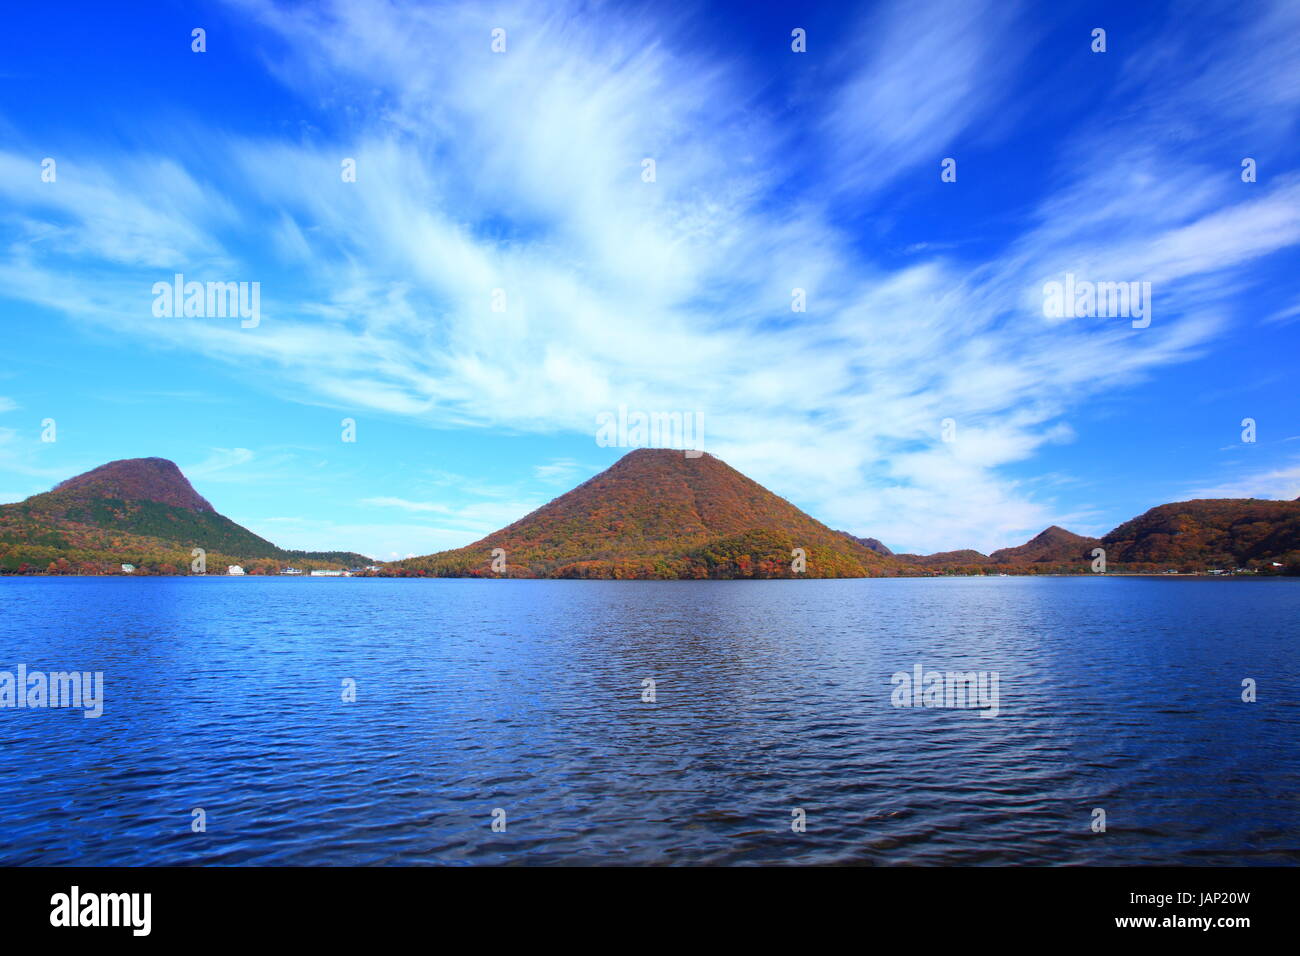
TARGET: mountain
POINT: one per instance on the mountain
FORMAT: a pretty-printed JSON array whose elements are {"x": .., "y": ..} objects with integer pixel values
[
  {"x": 873, "y": 543},
  {"x": 1210, "y": 532},
  {"x": 658, "y": 514},
  {"x": 139, "y": 511},
  {"x": 1053, "y": 546}
]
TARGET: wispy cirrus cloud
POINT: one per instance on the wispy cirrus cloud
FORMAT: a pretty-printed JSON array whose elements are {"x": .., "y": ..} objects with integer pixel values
[
  {"x": 388, "y": 501},
  {"x": 219, "y": 461},
  {"x": 931, "y": 74},
  {"x": 440, "y": 526},
  {"x": 1281, "y": 483},
  {"x": 559, "y": 470}
]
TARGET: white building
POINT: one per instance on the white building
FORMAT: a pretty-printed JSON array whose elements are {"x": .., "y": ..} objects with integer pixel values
[
  {"x": 319, "y": 573},
  {"x": 234, "y": 569},
  {"x": 128, "y": 569}
]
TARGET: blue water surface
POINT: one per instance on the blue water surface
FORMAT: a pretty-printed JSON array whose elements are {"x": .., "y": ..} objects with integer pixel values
[{"x": 526, "y": 697}]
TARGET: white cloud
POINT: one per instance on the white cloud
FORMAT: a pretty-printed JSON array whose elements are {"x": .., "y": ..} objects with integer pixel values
[
  {"x": 1280, "y": 483},
  {"x": 385, "y": 501},
  {"x": 559, "y": 471},
  {"x": 461, "y": 523},
  {"x": 219, "y": 461}
]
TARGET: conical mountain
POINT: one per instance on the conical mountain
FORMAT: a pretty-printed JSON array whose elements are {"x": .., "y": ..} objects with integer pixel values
[{"x": 659, "y": 514}]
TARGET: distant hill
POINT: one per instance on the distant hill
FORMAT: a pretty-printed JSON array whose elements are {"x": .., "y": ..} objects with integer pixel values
[
  {"x": 139, "y": 511},
  {"x": 658, "y": 514},
  {"x": 1053, "y": 546},
  {"x": 1215, "y": 532},
  {"x": 944, "y": 558},
  {"x": 1051, "y": 550},
  {"x": 873, "y": 543},
  {"x": 1223, "y": 533}
]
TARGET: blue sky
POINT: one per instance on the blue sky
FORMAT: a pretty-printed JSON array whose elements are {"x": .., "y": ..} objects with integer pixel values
[{"x": 774, "y": 170}]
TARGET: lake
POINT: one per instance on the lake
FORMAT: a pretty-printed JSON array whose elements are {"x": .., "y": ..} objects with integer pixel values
[{"x": 773, "y": 706}]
